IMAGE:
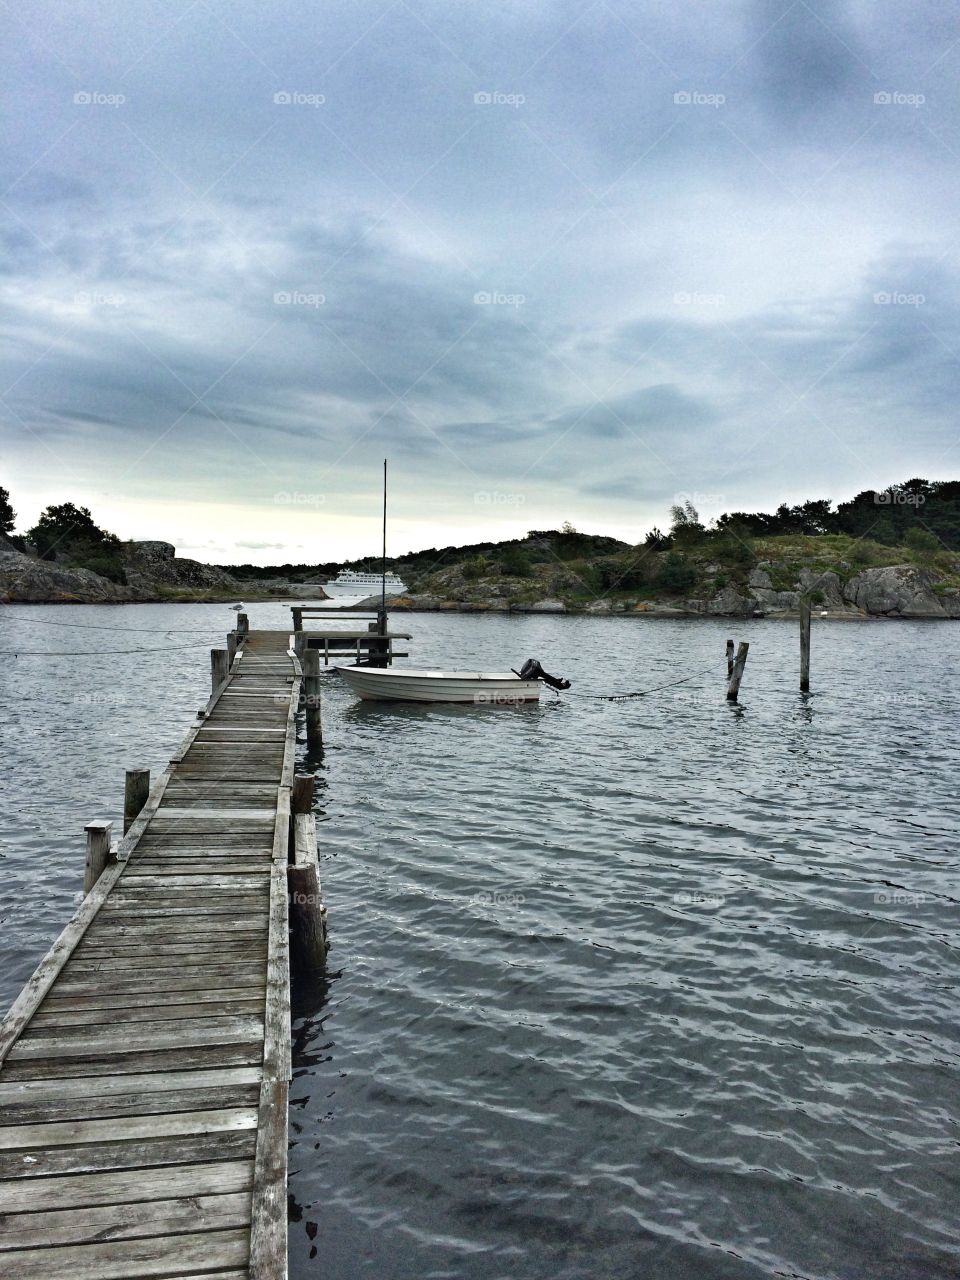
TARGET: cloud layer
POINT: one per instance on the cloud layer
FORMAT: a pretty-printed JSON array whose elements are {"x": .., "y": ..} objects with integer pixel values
[{"x": 558, "y": 262}]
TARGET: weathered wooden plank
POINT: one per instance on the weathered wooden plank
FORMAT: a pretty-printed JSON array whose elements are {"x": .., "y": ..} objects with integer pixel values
[
  {"x": 184, "y": 1033},
  {"x": 123, "y": 1221},
  {"x": 104, "y": 1015},
  {"x": 268, "y": 1233},
  {"x": 238, "y": 1144},
  {"x": 45, "y": 1110},
  {"x": 130, "y": 1186},
  {"x": 65, "y": 1133},
  {"x": 121, "y": 1259},
  {"x": 13, "y": 1093},
  {"x": 134, "y": 984},
  {"x": 218, "y": 1055}
]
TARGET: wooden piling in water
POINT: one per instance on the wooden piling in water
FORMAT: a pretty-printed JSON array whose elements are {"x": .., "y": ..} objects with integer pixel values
[
  {"x": 729, "y": 659},
  {"x": 136, "y": 788},
  {"x": 308, "y": 924},
  {"x": 243, "y": 624},
  {"x": 232, "y": 642},
  {"x": 219, "y": 668},
  {"x": 805, "y": 611},
  {"x": 311, "y": 698},
  {"x": 733, "y": 687},
  {"x": 98, "y": 852}
]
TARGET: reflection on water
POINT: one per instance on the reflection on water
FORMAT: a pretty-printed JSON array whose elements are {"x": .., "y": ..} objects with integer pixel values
[{"x": 659, "y": 988}]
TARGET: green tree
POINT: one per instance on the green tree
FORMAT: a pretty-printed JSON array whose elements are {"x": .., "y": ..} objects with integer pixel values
[
  {"x": 7, "y": 514},
  {"x": 685, "y": 526},
  {"x": 921, "y": 541},
  {"x": 475, "y": 568},
  {"x": 70, "y": 532},
  {"x": 675, "y": 573},
  {"x": 514, "y": 563}
]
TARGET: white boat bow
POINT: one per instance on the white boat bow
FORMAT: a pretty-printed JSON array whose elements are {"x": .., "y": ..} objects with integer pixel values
[{"x": 493, "y": 688}]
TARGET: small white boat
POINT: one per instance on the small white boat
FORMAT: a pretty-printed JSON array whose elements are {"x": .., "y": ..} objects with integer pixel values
[{"x": 401, "y": 684}]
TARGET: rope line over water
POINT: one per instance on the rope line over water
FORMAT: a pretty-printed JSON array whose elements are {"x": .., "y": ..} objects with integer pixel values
[
  {"x": 86, "y": 626},
  {"x": 93, "y": 653},
  {"x": 642, "y": 693}
]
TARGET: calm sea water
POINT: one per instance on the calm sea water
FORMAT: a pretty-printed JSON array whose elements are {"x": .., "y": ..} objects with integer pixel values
[{"x": 660, "y": 988}]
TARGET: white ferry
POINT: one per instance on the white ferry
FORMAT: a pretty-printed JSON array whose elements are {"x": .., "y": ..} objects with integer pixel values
[{"x": 350, "y": 583}]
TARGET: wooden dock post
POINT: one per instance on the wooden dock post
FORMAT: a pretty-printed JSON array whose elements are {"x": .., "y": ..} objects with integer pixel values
[
  {"x": 307, "y": 914},
  {"x": 733, "y": 688},
  {"x": 136, "y": 788},
  {"x": 297, "y": 618},
  {"x": 311, "y": 698},
  {"x": 805, "y": 644},
  {"x": 218, "y": 668},
  {"x": 243, "y": 624},
  {"x": 729, "y": 659},
  {"x": 231, "y": 647},
  {"x": 98, "y": 852}
]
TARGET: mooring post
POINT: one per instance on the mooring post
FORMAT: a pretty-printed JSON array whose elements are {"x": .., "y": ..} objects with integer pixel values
[
  {"x": 297, "y": 619},
  {"x": 729, "y": 659},
  {"x": 231, "y": 647},
  {"x": 733, "y": 688},
  {"x": 98, "y": 852},
  {"x": 299, "y": 644},
  {"x": 218, "y": 668},
  {"x": 805, "y": 611},
  {"x": 307, "y": 914},
  {"x": 243, "y": 625},
  {"x": 301, "y": 793},
  {"x": 136, "y": 788},
  {"x": 311, "y": 697}
]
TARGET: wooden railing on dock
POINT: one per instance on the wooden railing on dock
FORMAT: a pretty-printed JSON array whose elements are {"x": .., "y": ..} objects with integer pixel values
[{"x": 146, "y": 1064}]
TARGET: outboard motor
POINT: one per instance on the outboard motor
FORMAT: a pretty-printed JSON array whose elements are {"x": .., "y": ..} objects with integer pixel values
[{"x": 532, "y": 670}]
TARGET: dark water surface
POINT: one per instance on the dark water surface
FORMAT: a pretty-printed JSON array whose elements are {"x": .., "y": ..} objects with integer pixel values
[{"x": 662, "y": 988}]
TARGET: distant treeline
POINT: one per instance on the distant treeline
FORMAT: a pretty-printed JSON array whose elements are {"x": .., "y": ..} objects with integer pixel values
[{"x": 884, "y": 515}]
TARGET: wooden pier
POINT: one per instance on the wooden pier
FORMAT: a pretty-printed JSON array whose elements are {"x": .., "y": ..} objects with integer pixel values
[
  {"x": 372, "y": 646},
  {"x": 146, "y": 1064}
]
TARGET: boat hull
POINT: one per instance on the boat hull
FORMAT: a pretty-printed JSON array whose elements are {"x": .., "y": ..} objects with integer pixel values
[{"x": 480, "y": 688}]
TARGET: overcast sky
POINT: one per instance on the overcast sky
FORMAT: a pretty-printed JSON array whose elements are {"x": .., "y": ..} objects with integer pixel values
[{"x": 558, "y": 261}]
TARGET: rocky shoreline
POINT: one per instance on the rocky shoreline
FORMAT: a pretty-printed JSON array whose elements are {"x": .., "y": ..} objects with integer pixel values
[{"x": 154, "y": 573}]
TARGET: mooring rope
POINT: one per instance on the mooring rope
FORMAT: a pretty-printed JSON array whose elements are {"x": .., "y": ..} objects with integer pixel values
[
  {"x": 86, "y": 626},
  {"x": 642, "y": 693},
  {"x": 93, "y": 653}
]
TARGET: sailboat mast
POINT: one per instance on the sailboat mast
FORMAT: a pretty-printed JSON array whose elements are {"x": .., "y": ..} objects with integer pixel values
[{"x": 383, "y": 563}]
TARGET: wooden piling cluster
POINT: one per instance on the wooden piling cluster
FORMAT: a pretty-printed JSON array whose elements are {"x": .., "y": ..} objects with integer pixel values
[{"x": 145, "y": 1065}]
